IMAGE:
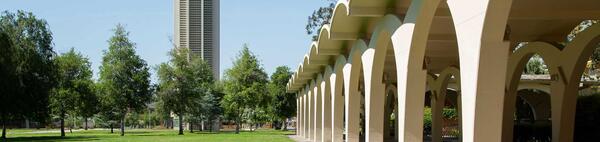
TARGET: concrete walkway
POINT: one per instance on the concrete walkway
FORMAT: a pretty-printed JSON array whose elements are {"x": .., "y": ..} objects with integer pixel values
[{"x": 298, "y": 138}]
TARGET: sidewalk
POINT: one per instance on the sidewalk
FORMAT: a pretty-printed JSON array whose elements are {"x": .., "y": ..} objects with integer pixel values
[{"x": 298, "y": 138}]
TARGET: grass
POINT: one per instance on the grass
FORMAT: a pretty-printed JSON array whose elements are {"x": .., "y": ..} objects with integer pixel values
[{"x": 146, "y": 135}]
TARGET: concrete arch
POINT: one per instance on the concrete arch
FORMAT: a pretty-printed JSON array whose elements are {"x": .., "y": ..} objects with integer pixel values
[
  {"x": 315, "y": 59},
  {"x": 344, "y": 26},
  {"x": 540, "y": 104},
  {"x": 516, "y": 64},
  {"x": 566, "y": 67},
  {"x": 517, "y": 61},
  {"x": 367, "y": 7},
  {"x": 535, "y": 86},
  {"x": 326, "y": 105},
  {"x": 439, "y": 87},
  {"x": 373, "y": 59},
  {"x": 409, "y": 43},
  {"x": 581, "y": 47},
  {"x": 301, "y": 126},
  {"x": 336, "y": 85},
  {"x": 310, "y": 114},
  {"x": 325, "y": 45},
  {"x": 352, "y": 72},
  {"x": 480, "y": 30},
  {"x": 574, "y": 56},
  {"x": 318, "y": 108}
]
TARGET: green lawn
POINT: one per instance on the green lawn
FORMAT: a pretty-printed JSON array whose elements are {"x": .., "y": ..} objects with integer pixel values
[{"x": 149, "y": 136}]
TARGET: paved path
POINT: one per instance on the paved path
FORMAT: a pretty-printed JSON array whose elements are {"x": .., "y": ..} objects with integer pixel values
[
  {"x": 58, "y": 131},
  {"x": 298, "y": 138}
]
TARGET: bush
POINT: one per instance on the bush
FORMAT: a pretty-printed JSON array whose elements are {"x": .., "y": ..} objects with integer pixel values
[
  {"x": 427, "y": 121},
  {"x": 447, "y": 113},
  {"x": 450, "y": 113}
]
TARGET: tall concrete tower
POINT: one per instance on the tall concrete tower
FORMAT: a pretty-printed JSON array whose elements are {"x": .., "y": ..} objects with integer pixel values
[{"x": 197, "y": 28}]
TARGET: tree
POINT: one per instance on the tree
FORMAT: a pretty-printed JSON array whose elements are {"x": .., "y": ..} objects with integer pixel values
[
  {"x": 8, "y": 82},
  {"x": 74, "y": 84},
  {"x": 283, "y": 104},
  {"x": 124, "y": 77},
  {"x": 27, "y": 67},
  {"x": 88, "y": 104},
  {"x": 182, "y": 84},
  {"x": 244, "y": 86},
  {"x": 319, "y": 18},
  {"x": 536, "y": 65},
  {"x": 212, "y": 104}
]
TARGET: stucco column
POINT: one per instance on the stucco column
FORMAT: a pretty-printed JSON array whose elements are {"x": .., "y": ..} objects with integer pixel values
[
  {"x": 374, "y": 92},
  {"x": 297, "y": 114},
  {"x": 437, "y": 105},
  {"x": 563, "y": 111},
  {"x": 480, "y": 27},
  {"x": 317, "y": 110},
  {"x": 337, "y": 105},
  {"x": 304, "y": 121},
  {"x": 352, "y": 103},
  {"x": 482, "y": 93},
  {"x": 375, "y": 98},
  {"x": 326, "y": 106},
  {"x": 309, "y": 115},
  {"x": 301, "y": 124}
]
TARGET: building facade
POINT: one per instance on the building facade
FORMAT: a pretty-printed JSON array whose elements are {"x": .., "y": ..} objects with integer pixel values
[
  {"x": 197, "y": 28},
  {"x": 386, "y": 54}
]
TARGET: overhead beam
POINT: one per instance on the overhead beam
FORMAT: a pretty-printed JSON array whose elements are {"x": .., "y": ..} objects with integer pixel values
[
  {"x": 367, "y": 11},
  {"x": 330, "y": 52},
  {"x": 344, "y": 35}
]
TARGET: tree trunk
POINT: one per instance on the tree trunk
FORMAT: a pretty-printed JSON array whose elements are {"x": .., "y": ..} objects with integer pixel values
[
  {"x": 62, "y": 124},
  {"x": 111, "y": 129},
  {"x": 284, "y": 123},
  {"x": 180, "y": 124},
  {"x": 210, "y": 124},
  {"x": 201, "y": 123},
  {"x": 3, "y": 127},
  {"x": 191, "y": 127},
  {"x": 85, "y": 123},
  {"x": 123, "y": 125},
  {"x": 237, "y": 125}
]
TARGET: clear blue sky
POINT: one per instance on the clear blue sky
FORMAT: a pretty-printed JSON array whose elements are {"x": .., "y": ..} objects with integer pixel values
[{"x": 274, "y": 29}]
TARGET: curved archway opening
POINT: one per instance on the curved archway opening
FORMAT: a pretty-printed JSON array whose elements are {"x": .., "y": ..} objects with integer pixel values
[
  {"x": 442, "y": 53},
  {"x": 391, "y": 115},
  {"x": 587, "y": 110},
  {"x": 529, "y": 107},
  {"x": 450, "y": 124},
  {"x": 532, "y": 116}
]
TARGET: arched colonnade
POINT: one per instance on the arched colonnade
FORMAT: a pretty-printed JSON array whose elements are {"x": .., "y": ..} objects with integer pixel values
[{"x": 415, "y": 45}]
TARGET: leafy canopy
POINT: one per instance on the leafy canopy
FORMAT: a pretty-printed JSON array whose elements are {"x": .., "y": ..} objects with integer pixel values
[{"x": 124, "y": 76}]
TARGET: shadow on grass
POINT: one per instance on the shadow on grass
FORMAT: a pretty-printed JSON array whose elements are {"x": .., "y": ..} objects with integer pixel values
[{"x": 51, "y": 138}]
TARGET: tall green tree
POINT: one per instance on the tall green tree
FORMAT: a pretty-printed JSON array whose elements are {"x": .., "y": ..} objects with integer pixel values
[
  {"x": 26, "y": 66},
  {"x": 212, "y": 104},
  {"x": 319, "y": 18},
  {"x": 124, "y": 77},
  {"x": 183, "y": 83},
  {"x": 284, "y": 104},
  {"x": 8, "y": 83},
  {"x": 74, "y": 83},
  {"x": 244, "y": 86},
  {"x": 88, "y": 104}
]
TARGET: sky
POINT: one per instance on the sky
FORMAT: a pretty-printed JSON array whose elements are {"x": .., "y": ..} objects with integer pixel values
[{"x": 273, "y": 29}]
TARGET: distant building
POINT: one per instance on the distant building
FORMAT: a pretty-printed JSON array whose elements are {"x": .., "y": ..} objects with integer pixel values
[{"x": 197, "y": 28}]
